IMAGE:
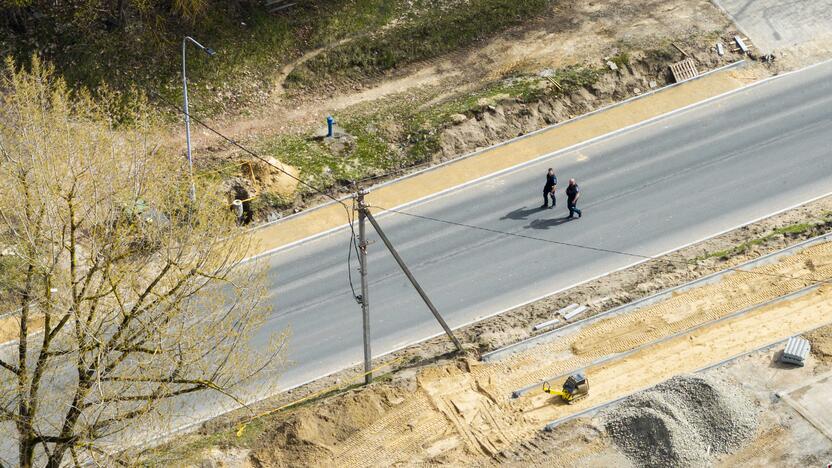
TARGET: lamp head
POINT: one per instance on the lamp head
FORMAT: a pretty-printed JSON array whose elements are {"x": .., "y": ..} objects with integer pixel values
[{"x": 210, "y": 52}]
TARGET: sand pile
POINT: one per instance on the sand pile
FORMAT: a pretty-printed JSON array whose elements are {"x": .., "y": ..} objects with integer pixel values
[
  {"x": 682, "y": 422},
  {"x": 310, "y": 435},
  {"x": 821, "y": 340}
]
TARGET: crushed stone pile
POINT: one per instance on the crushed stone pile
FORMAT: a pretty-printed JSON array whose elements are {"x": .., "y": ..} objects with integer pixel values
[{"x": 683, "y": 421}]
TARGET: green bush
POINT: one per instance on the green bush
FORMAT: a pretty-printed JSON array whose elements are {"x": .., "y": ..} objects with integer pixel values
[{"x": 621, "y": 59}]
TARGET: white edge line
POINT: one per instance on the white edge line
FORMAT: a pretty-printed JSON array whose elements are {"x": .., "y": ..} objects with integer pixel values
[
  {"x": 187, "y": 426},
  {"x": 190, "y": 425},
  {"x": 544, "y": 156},
  {"x": 510, "y": 168},
  {"x": 502, "y": 143}
]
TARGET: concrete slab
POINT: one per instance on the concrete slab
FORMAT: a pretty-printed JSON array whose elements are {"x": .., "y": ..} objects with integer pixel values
[
  {"x": 814, "y": 402},
  {"x": 784, "y": 437},
  {"x": 775, "y": 24}
]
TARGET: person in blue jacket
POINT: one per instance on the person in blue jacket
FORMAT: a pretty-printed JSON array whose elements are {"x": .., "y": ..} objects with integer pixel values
[{"x": 573, "y": 193}]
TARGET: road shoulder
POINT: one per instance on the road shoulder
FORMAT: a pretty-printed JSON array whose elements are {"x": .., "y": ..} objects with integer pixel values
[{"x": 502, "y": 157}]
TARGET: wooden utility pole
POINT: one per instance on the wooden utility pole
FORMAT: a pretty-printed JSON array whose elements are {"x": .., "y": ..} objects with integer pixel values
[{"x": 365, "y": 302}]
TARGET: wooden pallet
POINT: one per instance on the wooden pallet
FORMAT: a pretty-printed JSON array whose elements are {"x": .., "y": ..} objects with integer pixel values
[{"x": 684, "y": 70}]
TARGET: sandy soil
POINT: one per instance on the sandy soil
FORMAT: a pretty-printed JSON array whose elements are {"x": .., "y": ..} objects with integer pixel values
[
  {"x": 599, "y": 295},
  {"x": 821, "y": 340},
  {"x": 461, "y": 412},
  {"x": 10, "y": 327},
  {"x": 681, "y": 312},
  {"x": 783, "y": 437}
]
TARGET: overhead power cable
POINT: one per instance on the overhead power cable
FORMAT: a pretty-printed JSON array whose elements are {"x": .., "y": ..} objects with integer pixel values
[
  {"x": 246, "y": 150},
  {"x": 596, "y": 249},
  {"x": 350, "y": 217},
  {"x": 350, "y": 212}
]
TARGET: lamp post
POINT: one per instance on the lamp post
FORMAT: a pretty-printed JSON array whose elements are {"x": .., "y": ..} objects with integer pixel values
[{"x": 210, "y": 53}]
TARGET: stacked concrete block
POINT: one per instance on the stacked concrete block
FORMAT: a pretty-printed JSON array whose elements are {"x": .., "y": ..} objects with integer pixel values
[{"x": 796, "y": 352}]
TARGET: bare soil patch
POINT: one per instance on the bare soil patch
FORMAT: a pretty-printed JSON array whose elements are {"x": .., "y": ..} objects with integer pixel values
[
  {"x": 493, "y": 434},
  {"x": 643, "y": 38},
  {"x": 821, "y": 341}
]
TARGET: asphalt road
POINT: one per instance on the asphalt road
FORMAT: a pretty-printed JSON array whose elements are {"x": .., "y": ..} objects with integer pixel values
[
  {"x": 651, "y": 189},
  {"x": 778, "y": 24},
  {"x": 646, "y": 191}
]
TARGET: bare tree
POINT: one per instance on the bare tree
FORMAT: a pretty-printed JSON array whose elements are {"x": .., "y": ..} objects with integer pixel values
[{"x": 128, "y": 296}]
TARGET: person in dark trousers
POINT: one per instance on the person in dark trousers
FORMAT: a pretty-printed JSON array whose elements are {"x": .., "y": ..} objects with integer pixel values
[
  {"x": 549, "y": 188},
  {"x": 573, "y": 193}
]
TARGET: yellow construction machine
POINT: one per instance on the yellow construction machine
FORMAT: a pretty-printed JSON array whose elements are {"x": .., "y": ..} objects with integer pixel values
[{"x": 575, "y": 388}]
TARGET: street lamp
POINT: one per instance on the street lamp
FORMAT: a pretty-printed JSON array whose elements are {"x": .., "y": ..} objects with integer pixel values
[{"x": 210, "y": 53}]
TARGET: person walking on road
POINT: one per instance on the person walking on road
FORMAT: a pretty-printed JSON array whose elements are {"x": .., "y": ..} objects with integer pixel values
[
  {"x": 573, "y": 193},
  {"x": 549, "y": 188}
]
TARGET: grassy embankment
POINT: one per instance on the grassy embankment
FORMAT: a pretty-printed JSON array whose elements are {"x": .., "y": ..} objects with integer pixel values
[
  {"x": 401, "y": 132},
  {"x": 801, "y": 229},
  {"x": 145, "y": 53},
  {"x": 252, "y": 46}
]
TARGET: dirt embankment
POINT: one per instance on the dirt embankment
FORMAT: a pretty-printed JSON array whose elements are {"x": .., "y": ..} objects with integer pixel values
[
  {"x": 635, "y": 73},
  {"x": 612, "y": 290},
  {"x": 394, "y": 115},
  {"x": 311, "y": 434},
  {"x": 460, "y": 412}
]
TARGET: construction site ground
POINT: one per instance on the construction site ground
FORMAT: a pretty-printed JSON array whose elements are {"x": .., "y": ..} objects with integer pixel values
[
  {"x": 429, "y": 406},
  {"x": 460, "y": 410},
  {"x": 463, "y": 411}
]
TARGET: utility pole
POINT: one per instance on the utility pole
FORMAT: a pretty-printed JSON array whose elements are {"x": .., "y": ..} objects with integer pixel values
[
  {"x": 363, "y": 215},
  {"x": 211, "y": 53},
  {"x": 365, "y": 302}
]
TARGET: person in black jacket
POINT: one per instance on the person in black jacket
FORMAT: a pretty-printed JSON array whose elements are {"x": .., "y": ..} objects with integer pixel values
[
  {"x": 573, "y": 193},
  {"x": 549, "y": 188}
]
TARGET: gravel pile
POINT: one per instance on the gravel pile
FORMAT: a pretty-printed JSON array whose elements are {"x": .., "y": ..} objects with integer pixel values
[{"x": 682, "y": 422}]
